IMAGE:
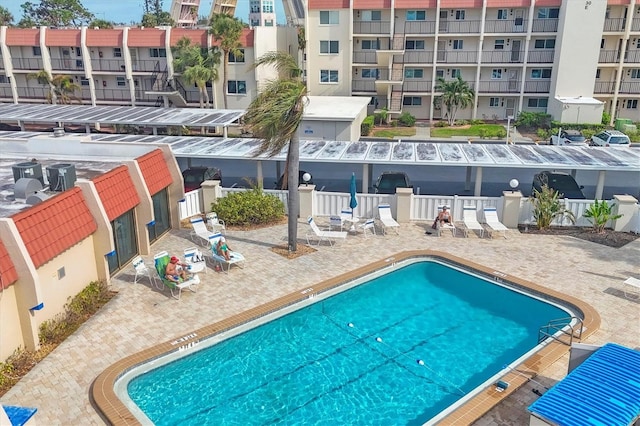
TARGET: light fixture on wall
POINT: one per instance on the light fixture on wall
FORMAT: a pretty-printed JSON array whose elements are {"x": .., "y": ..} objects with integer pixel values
[
  {"x": 356, "y": 71},
  {"x": 449, "y": 42}
]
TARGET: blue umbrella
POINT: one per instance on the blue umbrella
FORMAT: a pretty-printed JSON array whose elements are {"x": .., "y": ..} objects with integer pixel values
[{"x": 353, "y": 202}]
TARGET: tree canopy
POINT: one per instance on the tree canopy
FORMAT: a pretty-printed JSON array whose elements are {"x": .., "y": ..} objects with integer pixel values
[
  {"x": 227, "y": 30},
  {"x": 197, "y": 65},
  {"x": 6, "y": 18},
  {"x": 55, "y": 13},
  {"x": 456, "y": 95}
]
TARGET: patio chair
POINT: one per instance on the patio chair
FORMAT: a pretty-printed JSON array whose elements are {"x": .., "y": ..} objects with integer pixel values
[
  {"x": 635, "y": 284},
  {"x": 218, "y": 259},
  {"x": 450, "y": 226},
  {"x": 161, "y": 260},
  {"x": 141, "y": 270},
  {"x": 195, "y": 259},
  {"x": 470, "y": 220},
  {"x": 215, "y": 223},
  {"x": 368, "y": 227},
  {"x": 335, "y": 222},
  {"x": 329, "y": 236},
  {"x": 384, "y": 211},
  {"x": 493, "y": 223},
  {"x": 200, "y": 233}
]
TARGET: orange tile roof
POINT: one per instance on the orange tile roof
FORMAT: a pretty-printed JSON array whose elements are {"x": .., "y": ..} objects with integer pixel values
[
  {"x": 155, "y": 171},
  {"x": 116, "y": 191},
  {"x": 8, "y": 273},
  {"x": 53, "y": 226}
]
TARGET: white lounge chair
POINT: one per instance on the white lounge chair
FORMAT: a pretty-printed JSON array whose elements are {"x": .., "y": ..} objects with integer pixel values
[
  {"x": 215, "y": 223},
  {"x": 161, "y": 260},
  {"x": 450, "y": 226},
  {"x": 635, "y": 284},
  {"x": 200, "y": 233},
  {"x": 470, "y": 220},
  {"x": 329, "y": 236},
  {"x": 493, "y": 223},
  {"x": 218, "y": 259},
  {"x": 384, "y": 211},
  {"x": 369, "y": 227}
]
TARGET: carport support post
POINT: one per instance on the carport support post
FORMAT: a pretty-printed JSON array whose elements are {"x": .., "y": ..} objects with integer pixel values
[
  {"x": 467, "y": 182},
  {"x": 478, "y": 187},
  {"x": 600, "y": 185},
  {"x": 87, "y": 128},
  {"x": 365, "y": 178},
  {"x": 225, "y": 132},
  {"x": 155, "y": 131},
  {"x": 573, "y": 173},
  {"x": 260, "y": 178}
]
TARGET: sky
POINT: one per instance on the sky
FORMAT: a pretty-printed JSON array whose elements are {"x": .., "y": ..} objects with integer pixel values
[{"x": 127, "y": 11}]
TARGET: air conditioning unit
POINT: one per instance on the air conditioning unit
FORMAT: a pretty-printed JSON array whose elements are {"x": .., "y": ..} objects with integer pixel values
[
  {"x": 61, "y": 176},
  {"x": 30, "y": 169}
]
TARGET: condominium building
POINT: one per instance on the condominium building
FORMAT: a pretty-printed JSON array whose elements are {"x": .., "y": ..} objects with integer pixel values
[{"x": 518, "y": 55}]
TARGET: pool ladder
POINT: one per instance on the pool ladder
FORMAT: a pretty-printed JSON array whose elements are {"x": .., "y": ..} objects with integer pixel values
[{"x": 559, "y": 325}]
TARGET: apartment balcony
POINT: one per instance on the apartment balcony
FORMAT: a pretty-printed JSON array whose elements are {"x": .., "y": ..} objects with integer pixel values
[
  {"x": 363, "y": 85},
  {"x": 116, "y": 65},
  {"x": 113, "y": 95},
  {"x": 541, "y": 57},
  {"x": 460, "y": 27},
  {"x": 603, "y": 87},
  {"x": 418, "y": 86},
  {"x": 365, "y": 57},
  {"x": 1, "y": 64},
  {"x": 632, "y": 56},
  {"x": 67, "y": 64},
  {"x": 545, "y": 25},
  {"x": 146, "y": 65},
  {"x": 635, "y": 24},
  {"x": 27, "y": 63},
  {"x": 372, "y": 27},
  {"x": 5, "y": 92},
  {"x": 418, "y": 57},
  {"x": 614, "y": 24},
  {"x": 457, "y": 56},
  {"x": 505, "y": 26},
  {"x": 502, "y": 56},
  {"x": 33, "y": 92},
  {"x": 537, "y": 86},
  {"x": 499, "y": 86},
  {"x": 395, "y": 76},
  {"x": 419, "y": 27},
  {"x": 630, "y": 87},
  {"x": 609, "y": 56}
]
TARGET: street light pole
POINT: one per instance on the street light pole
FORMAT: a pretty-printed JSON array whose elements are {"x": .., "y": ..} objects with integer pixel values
[{"x": 509, "y": 118}]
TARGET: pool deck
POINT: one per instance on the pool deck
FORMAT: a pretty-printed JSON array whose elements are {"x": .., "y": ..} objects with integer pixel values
[{"x": 140, "y": 317}]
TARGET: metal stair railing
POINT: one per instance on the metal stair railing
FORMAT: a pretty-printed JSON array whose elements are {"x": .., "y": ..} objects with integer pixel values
[{"x": 553, "y": 327}]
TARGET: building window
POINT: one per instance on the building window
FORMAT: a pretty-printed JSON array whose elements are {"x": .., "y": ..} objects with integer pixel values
[
  {"x": 602, "y": 44},
  {"x": 499, "y": 44},
  {"x": 36, "y": 51},
  {"x": 598, "y": 73},
  {"x": 548, "y": 13},
  {"x": 414, "y": 44},
  {"x": 494, "y": 102},
  {"x": 328, "y": 76},
  {"x": 4, "y": 79},
  {"x": 635, "y": 73},
  {"x": 459, "y": 15},
  {"x": 370, "y": 44},
  {"x": 117, "y": 52},
  {"x": 457, "y": 44},
  {"x": 268, "y": 22},
  {"x": 158, "y": 53},
  {"x": 502, "y": 14},
  {"x": 369, "y": 73},
  {"x": 371, "y": 15},
  {"x": 255, "y": 22},
  {"x": 255, "y": 6},
  {"x": 439, "y": 73},
  {"x": 456, "y": 72},
  {"x": 121, "y": 81},
  {"x": 412, "y": 101},
  {"x": 238, "y": 87},
  {"x": 236, "y": 59},
  {"x": 267, "y": 6},
  {"x": 545, "y": 44},
  {"x": 413, "y": 73},
  {"x": 329, "y": 47},
  {"x": 537, "y": 103},
  {"x": 496, "y": 73},
  {"x": 84, "y": 81},
  {"x": 416, "y": 15},
  {"x": 541, "y": 73},
  {"x": 632, "y": 104},
  {"x": 79, "y": 64},
  {"x": 329, "y": 17}
]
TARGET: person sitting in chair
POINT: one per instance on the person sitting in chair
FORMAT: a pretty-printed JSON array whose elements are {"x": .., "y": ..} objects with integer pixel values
[
  {"x": 223, "y": 249},
  {"x": 443, "y": 217},
  {"x": 176, "y": 270}
]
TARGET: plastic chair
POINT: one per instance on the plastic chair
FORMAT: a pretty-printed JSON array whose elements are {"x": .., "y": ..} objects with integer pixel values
[
  {"x": 141, "y": 270},
  {"x": 369, "y": 227},
  {"x": 215, "y": 223}
]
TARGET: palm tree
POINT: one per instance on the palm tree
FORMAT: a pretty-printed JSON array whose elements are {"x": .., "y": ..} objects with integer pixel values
[
  {"x": 456, "y": 95},
  {"x": 227, "y": 31},
  {"x": 45, "y": 79},
  {"x": 274, "y": 116},
  {"x": 64, "y": 88},
  {"x": 197, "y": 66}
]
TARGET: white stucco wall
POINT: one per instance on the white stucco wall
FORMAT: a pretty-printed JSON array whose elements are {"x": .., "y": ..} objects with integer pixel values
[{"x": 10, "y": 325}]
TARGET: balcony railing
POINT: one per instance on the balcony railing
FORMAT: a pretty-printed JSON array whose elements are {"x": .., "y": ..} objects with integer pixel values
[
  {"x": 363, "y": 85},
  {"x": 418, "y": 57},
  {"x": 502, "y": 56},
  {"x": 499, "y": 86},
  {"x": 458, "y": 56},
  {"x": 419, "y": 27},
  {"x": 609, "y": 56},
  {"x": 33, "y": 92},
  {"x": 395, "y": 75},
  {"x": 145, "y": 65},
  {"x": 371, "y": 27},
  {"x": 412, "y": 86},
  {"x": 545, "y": 25},
  {"x": 67, "y": 64},
  {"x": 107, "y": 65},
  {"x": 614, "y": 24},
  {"x": 537, "y": 86},
  {"x": 1, "y": 63},
  {"x": 632, "y": 56},
  {"x": 632, "y": 87},
  {"x": 5, "y": 91},
  {"x": 460, "y": 27},
  {"x": 27, "y": 63},
  {"x": 364, "y": 57},
  {"x": 506, "y": 26},
  {"x": 541, "y": 56},
  {"x": 635, "y": 25},
  {"x": 604, "y": 87},
  {"x": 113, "y": 95}
]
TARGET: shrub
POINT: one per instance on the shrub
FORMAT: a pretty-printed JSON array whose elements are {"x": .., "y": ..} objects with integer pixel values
[
  {"x": 406, "y": 119},
  {"x": 587, "y": 133},
  {"x": 533, "y": 119},
  {"x": 547, "y": 207},
  {"x": 543, "y": 134},
  {"x": 606, "y": 118},
  {"x": 250, "y": 207},
  {"x": 366, "y": 126},
  {"x": 476, "y": 122},
  {"x": 634, "y": 136},
  {"x": 501, "y": 133},
  {"x": 381, "y": 117},
  {"x": 441, "y": 124},
  {"x": 461, "y": 122},
  {"x": 599, "y": 213},
  {"x": 482, "y": 132}
]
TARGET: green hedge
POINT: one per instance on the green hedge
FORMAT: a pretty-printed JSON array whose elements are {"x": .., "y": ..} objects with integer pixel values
[
  {"x": 252, "y": 207},
  {"x": 367, "y": 125}
]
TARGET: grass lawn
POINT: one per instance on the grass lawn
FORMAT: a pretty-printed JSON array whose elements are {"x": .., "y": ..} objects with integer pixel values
[
  {"x": 393, "y": 131},
  {"x": 472, "y": 130}
]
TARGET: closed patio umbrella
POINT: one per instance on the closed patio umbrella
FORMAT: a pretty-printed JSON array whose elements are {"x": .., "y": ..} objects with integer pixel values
[{"x": 353, "y": 202}]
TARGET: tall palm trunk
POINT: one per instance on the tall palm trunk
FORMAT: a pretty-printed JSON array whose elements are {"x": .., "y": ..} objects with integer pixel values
[
  {"x": 293, "y": 168},
  {"x": 226, "y": 77}
]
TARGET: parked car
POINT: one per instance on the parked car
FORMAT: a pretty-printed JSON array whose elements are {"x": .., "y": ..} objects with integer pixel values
[
  {"x": 568, "y": 138},
  {"x": 388, "y": 182},
  {"x": 300, "y": 179},
  {"x": 194, "y": 176},
  {"x": 564, "y": 183},
  {"x": 610, "y": 138}
]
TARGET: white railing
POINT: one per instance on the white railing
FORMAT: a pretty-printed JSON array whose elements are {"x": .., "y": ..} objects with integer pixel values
[
  {"x": 635, "y": 221},
  {"x": 332, "y": 203},
  {"x": 191, "y": 205},
  {"x": 425, "y": 207}
]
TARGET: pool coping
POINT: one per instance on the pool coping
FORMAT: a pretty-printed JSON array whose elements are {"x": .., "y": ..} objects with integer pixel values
[{"x": 104, "y": 399}]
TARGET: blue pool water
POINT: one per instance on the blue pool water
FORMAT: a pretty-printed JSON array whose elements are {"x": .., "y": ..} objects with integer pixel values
[{"x": 353, "y": 358}]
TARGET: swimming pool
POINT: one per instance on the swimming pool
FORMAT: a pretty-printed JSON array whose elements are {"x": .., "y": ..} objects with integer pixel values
[{"x": 402, "y": 347}]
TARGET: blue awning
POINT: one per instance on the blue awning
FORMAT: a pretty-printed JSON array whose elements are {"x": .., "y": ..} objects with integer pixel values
[{"x": 603, "y": 390}]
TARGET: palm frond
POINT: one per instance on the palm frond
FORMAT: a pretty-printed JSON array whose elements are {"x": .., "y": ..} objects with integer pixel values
[{"x": 284, "y": 64}]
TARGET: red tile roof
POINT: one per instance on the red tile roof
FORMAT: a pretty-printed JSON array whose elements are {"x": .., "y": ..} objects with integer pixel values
[
  {"x": 116, "y": 191},
  {"x": 8, "y": 273},
  {"x": 155, "y": 171},
  {"x": 55, "y": 225}
]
